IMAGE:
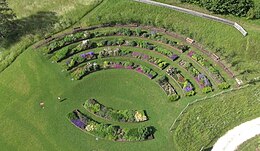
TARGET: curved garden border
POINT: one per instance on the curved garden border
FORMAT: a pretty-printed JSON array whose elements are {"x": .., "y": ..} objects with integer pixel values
[
  {"x": 142, "y": 113},
  {"x": 165, "y": 45},
  {"x": 198, "y": 46},
  {"x": 163, "y": 55},
  {"x": 236, "y": 136},
  {"x": 81, "y": 126}
]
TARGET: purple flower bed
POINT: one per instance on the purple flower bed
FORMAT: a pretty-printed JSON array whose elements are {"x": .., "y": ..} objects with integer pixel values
[
  {"x": 205, "y": 80},
  {"x": 135, "y": 54},
  {"x": 145, "y": 57},
  {"x": 188, "y": 89},
  {"x": 118, "y": 66},
  {"x": 139, "y": 70},
  {"x": 150, "y": 76},
  {"x": 174, "y": 57},
  {"x": 201, "y": 85},
  {"x": 129, "y": 67},
  {"x": 85, "y": 55},
  {"x": 78, "y": 123},
  {"x": 191, "y": 53}
]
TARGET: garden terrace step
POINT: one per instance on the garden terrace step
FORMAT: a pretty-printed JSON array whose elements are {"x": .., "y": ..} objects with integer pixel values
[
  {"x": 108, "y": 113},
  {"x": 162, "y": 32},
  {"x": 200, "y": 78},
  {"x": 185, "y": 84},
  {"x": 80, "y": 72},
  {"x": 168, "y": 89},
  {"x": 108, "y": 131},
  {"x": 154, "y": 47}
]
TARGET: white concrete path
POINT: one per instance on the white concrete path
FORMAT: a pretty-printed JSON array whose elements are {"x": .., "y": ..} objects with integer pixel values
[{"x": 235, "y": 137}]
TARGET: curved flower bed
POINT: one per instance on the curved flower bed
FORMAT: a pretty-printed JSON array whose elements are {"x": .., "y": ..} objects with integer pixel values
[
  {"x": 168, "y": 89},
  {"x": 93, "y": 106},
  {"x": 85, "y": 45},
  {"x": 185, "y": 84},
  {"x": 109, "y": 132},
  {"x": 210, "y": 68},
  {"x": 204, "y": 82},
  {"x": 108, "y": 52},
  {"x": 92, "y": 67},
  {"x": 72, "y": 38}
]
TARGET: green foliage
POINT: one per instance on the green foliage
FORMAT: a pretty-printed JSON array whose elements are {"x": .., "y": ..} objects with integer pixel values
[
  {"x": 234, "y": 7},
  {"x": 191, "y": 93},
  {"x": 207, "y": 89},
  {"x": 97, "y": 108},
  {"x": 223, "y": 85},
  {"x": 7, "y": 17},
  {"x": 173, "y": 97}
]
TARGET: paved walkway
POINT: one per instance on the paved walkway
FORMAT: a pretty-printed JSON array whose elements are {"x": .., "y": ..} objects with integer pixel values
[
  {"x": 235, "y": 137},
  {"x": 195, "y": 13}
]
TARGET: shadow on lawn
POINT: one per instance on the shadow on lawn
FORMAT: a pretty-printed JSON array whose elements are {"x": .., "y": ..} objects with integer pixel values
[
  {"x": 207, "y": 149},
  {"x": 39, "y": 23}
]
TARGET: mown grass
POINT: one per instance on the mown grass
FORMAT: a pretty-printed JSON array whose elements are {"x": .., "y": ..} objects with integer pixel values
[
  {"x": 32, "y": 79},
  {"x": 250, "y": 145},
  {"x": 204, "y": 122}
]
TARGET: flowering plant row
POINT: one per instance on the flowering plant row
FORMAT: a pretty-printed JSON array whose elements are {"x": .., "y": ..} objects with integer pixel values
[
  {"x": 151, "y": 35},
  {"x": 107, "y": 131},
  {"x": 66, "y": 40},
  {"x": 186, "y": 84},
  {"x": 199, "y": 77},
  {"x": 87, "y": 69},
  {"x": 108, "y": 113},
  {"x": 156, "y": 61},
  {"x": 130, "y": 65},
  {"x": 79, "y": 72},
  {"x": 206, "y": 64},
  {"x": 168, "y": 88}
]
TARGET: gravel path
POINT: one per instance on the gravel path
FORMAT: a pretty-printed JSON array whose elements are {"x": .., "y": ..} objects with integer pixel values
[
  {"x": 195, "y": 13},
  {"x": 235, "y": 137}
]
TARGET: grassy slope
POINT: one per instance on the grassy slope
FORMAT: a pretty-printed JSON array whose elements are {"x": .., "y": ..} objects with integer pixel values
[
  {"x": 250, "y": 145},
  {"x": 206, "y": 121},
  {"x": 207, "y": 32},
  {"x": 65, "y": 14}
]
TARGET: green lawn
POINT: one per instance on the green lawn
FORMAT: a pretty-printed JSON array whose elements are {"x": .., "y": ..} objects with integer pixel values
[
  {"x": 32, "y": 79},
  {"x": 250, "y": 145}
]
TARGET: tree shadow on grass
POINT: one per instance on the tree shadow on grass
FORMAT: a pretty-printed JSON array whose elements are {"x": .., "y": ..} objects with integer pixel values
[
  {"x": 207, "y": 149},
  {"x": 36, "y": 24}
]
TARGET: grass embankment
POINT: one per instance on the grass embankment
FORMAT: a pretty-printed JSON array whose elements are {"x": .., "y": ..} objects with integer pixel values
[
  {"x": 206, "y": 121},
  {"x": 250, "y": 145},
  {"x": 36, "y": 19},
  {"x": 241, "y": 52}
]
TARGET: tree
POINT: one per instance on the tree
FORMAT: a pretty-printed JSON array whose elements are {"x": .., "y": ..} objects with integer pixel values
[{"x": 6, "y": 18}]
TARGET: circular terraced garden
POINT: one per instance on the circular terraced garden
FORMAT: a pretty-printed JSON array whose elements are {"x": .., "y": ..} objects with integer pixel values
[{"x": 177, "y": 66}]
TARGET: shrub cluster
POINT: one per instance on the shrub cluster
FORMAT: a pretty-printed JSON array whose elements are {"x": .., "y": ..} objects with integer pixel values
[
  {"x": 109, "y": 132},
  {"x": 199, "y": 77},
  {"x": 234, "y": 7},
  {"x": 168, "y": 88},
  {"x": 186, "y": 84},
  {"x": 108, "y": 113}
]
